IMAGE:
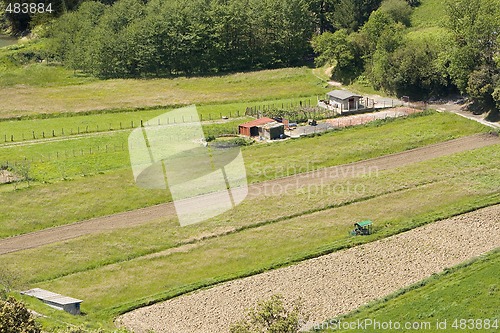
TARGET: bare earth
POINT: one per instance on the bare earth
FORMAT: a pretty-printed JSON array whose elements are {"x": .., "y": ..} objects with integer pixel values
[
  {"x": 167, "y": 210},
  {"x": 333, "y": 284}
]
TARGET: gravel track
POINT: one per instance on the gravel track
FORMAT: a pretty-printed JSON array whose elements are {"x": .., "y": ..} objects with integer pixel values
[
  {"x": 333, "y": 284},
  {"x": 142, "y": 216}
]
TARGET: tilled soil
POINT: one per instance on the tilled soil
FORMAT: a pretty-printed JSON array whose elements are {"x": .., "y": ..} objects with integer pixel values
[
  {"x": 333, "y": 284},
  {"x": 167, "y": 210}
]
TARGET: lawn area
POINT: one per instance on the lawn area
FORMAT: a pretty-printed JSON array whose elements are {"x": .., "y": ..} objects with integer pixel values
[
  {"x": 89, "y": 267},
  {"x": 108, "y": 186},
  {"x": 430, "y": 13},
  {"x": 119, "y": 94},
  {"x": 435, "y": 299},
  {"x": 14, "y": 130}
]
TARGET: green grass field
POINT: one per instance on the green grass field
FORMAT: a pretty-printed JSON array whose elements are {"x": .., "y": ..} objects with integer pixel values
[
  {"x": 14, "y": 130},
  {"x": 101, "y": 183},
  {"x": 89, "y": 267},
  {"x": 80, "y": 177},
  {"x": 33, "y": 99},
  {"x": 435, "y": 299},
  {"x": 430, "y": 13}
]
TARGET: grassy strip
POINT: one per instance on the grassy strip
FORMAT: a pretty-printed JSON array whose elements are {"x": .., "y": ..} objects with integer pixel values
[
  {"x": 434, "y": 299},
  {"x": 430, "y": 13},
  {"x": 39, "y": 126},
  {"x": 132, "y": 94},
  {"x": 45, "y": 205}
]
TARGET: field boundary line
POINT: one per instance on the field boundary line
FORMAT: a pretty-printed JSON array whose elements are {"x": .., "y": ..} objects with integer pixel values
[{"x": 148, "y": 214}]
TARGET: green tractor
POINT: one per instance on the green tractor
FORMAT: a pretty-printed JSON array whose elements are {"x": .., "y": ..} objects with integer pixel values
[{"x": 362, "y": 228}]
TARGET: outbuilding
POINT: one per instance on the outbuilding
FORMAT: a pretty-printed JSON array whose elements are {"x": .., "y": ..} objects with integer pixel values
[
  {"x": 344, "y": 100},
  {"x": 57, "y": 301},
  {"x": 272, "y": 131},
  {"x": 251, "y": 128}
]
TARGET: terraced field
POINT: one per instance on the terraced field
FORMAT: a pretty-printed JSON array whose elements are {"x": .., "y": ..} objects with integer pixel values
[{"x": 333, "y": 284}]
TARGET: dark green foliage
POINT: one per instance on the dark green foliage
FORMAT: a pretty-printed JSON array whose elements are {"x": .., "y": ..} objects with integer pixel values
[
  {"x": 131, "y": 38},
  {"x": 352, "y": 14},
  {"x": 406, "y": 62},
  {"x": 399, "y": 10},
  {"x": 21, "y": 22},
  {"x": 338, "y": 49},
  {"x": 15, "y": 318},
  {"x": 471, "y": 63}
]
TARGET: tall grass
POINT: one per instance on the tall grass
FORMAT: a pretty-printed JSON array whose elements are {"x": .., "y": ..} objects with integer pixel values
[{"x": 135, "y": 94}]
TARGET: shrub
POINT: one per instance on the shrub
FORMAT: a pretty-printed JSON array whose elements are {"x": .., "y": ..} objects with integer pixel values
[{"x": 15, "y": 318}]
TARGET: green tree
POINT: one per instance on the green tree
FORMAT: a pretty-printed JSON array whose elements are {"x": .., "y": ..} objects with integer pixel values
[
  {"x": 322, "y": 12},
  {"x": 352, "y": 14},
  {"x": 399, "y": 10},
  {"x": 475, "y": 44},
  {"x": 338, "y": 49},
  {"x": 271, "y": 316},
  {"x": 415, "y": 70},
  {"x": 15, "y": 318}
]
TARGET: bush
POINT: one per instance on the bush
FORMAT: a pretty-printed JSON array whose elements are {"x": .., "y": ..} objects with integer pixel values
[
  {"x": 15, "y": 318},
  {"x": 271, "y": 316}
]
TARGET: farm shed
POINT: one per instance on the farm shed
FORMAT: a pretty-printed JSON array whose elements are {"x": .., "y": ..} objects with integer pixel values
[
  {"x": 344, "y": 100},
  {"x": 60, "y": 302},
  {"x": 252, "y": 127},
  {"x": 272, "y": 131}
]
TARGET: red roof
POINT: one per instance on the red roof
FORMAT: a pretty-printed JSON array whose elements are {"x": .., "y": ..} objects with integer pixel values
[{"x": 257, "y": 122}]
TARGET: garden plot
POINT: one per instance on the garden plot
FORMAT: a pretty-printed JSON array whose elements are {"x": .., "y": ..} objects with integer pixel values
[{"x": 333, "y": 284}]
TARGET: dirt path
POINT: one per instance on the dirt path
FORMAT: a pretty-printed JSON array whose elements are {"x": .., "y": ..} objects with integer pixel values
[
  {"x": 333, "y": 284},
  {"x": 167, "y": 210}
]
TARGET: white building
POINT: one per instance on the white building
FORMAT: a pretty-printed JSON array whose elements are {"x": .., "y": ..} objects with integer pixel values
[{"x": 344, "y": 100}]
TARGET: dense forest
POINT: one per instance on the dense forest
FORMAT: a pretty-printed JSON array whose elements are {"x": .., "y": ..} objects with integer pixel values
[
  {"x": 133, "y": 38},
  {"x": 369, "y": 41}
]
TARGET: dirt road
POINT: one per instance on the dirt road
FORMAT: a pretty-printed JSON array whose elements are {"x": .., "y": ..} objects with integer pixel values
[
  {"x": 333, "y": 284},
  {"x": 142, "y": 216}
]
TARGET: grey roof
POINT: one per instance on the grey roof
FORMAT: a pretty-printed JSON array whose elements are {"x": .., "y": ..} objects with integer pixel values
[
  {"x": 272, "y": 125},
  {"x": 342, "y": 94},
  {"x": 49, "y": 296}
]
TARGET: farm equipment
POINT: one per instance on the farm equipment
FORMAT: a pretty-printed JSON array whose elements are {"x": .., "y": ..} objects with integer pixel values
[{"x": 362, "y": 228}]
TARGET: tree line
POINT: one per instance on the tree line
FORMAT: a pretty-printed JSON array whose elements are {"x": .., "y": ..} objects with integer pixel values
[
  {"x": 462, "y": 55},
  {"x": 131, "y": 38}
]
